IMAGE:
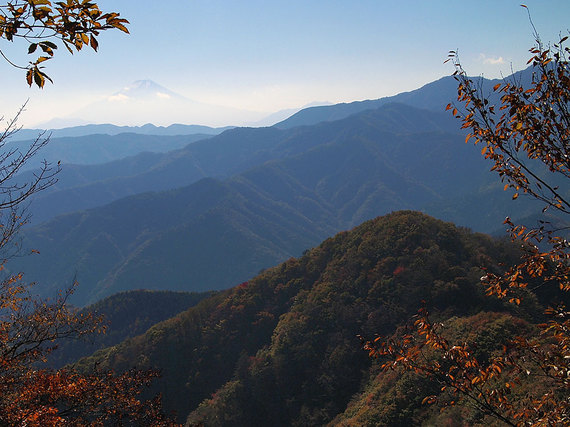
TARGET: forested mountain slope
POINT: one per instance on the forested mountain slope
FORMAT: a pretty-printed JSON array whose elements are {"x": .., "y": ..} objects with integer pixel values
[
  {"x": 124, "y": 315},
  {"x": 214, "y": 234},
  {"x": 281, "y": 349},
  {"x": 210, "y": 235},
  {"x": 87, "y": 186}
]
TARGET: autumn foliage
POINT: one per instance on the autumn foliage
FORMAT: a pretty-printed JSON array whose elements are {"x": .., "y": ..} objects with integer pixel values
[
  {"x": 42, "y": 24},
  {"x": 527, "y": 139},
  {"x": 34, "y": 396}
]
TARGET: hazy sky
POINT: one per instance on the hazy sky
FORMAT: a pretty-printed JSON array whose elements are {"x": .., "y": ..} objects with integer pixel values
[{"x": 269, "y": 55}]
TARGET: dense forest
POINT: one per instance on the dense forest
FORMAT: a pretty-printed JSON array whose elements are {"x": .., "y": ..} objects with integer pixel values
[
  {"x": 124, "y": 315},
  {"x": 282, "y": 348}
]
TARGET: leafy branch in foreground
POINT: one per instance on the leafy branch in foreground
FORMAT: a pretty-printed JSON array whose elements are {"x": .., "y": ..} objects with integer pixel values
[
  {"x": 41, "y": 24},
  {"x": 527, "y": 138},
  {"x": 41, "y": 397},
  {"x": 523, "y": 383}
]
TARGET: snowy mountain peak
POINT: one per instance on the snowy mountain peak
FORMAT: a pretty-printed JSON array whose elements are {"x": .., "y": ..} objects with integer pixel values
[{"x": 143, "y": 90}]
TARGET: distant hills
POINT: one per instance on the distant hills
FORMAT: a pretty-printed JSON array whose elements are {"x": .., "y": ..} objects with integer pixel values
[
  {"x": 206, "y": 236},
  {"x": 232, "y": 152},
  {"x": 108, "y": 129},
  {"x": 100, "y": 148},
  {"x": 284, "y": 191},
  {"x": 80, "y": 187}
]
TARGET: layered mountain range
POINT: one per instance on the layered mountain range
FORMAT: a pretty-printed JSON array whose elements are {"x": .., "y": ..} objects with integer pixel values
[{"x": 217, "y": 211}]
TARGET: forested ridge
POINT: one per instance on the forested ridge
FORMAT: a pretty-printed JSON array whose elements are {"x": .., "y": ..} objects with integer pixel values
[
  {"x": 124, "y": 315},
  {"x": 282, "y": 348}
]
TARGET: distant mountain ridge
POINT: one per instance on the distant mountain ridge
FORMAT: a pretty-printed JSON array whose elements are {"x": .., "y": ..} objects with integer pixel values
[
  {"x": 433, "y": 96},
  {"x": 82, "y": 187},
  {"x": 102, "y": 149},
  {"x": 283, "y": 191},
  {"x": 109, "y": 129}
]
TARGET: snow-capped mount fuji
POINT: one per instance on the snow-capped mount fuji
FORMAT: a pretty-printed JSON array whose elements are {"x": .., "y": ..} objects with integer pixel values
[
  {"x": 145, "y": 101},
  {"x": 145, "y": 90}
]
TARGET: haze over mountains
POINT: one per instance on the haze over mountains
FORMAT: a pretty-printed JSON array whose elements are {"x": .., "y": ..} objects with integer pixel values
[
  {"x": 217, "y": 211},
  {"x": 432, "y": 96},
  {"x": 102, "y": 148},
  {"x": 145, "y": 101},
  {"x": 108, "y": 129}
]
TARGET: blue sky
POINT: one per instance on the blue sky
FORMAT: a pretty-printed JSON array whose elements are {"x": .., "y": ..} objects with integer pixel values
[{"x": 271, "y": 55}]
